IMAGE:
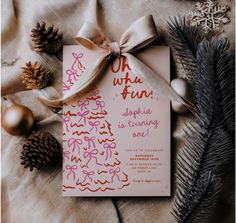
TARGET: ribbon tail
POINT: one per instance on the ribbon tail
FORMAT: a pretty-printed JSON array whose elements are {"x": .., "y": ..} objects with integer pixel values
[
  {"x": 155, "y": 81},
  {"x": 92, "y": 12},
  {"x": 47, "y": 96},
  {"x": 79, "y": 87}
]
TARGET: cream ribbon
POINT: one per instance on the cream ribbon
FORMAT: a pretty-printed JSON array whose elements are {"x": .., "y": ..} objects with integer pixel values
[{"x": 139, "y": 35}]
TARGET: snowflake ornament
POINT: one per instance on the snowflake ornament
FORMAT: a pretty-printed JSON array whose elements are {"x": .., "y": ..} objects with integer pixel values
[{"x": 209, "y": 15}]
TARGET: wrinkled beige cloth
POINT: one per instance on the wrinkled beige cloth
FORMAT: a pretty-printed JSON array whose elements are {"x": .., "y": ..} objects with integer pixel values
[{"x": 35, "y": 197}]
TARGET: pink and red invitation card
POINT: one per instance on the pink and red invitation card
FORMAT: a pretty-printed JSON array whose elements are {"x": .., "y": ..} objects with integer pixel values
[{"x": 116, "y": 138}]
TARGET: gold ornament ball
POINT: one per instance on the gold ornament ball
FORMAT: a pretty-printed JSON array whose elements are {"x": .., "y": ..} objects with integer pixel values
[{"x": 17, "y": 120}]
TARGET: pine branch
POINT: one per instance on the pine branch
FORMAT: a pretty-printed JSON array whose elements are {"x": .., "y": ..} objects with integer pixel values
[
  {"x": 220, "y": 152},
  {"x": 206, "y": 203},
  {"x": 212, "y": 105},
  {"x": 206, "y": 99},
  {"x": 184, "y": 39},
  {"x": 198, "y": 202},
  {"x": 224, "y": 69},
  {"x": 209, "y": 142},
  {"x": 203, "y": 155}
]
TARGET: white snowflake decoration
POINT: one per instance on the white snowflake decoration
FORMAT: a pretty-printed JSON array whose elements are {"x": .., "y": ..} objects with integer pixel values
[{"x": 209, "y": 15}]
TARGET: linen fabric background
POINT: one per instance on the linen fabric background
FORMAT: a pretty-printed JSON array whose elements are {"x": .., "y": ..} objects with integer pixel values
[{"x": 35, "y": 197}]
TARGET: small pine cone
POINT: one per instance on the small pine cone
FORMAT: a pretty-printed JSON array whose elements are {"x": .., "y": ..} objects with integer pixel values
[
  {"x": 40, "y": 149},
  {"x": 47, "y": 40},
  {"x": 34, "y": 76}
]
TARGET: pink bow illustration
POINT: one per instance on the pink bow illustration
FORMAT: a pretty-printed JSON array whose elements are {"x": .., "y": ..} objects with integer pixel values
[
  {"x": 75, "y": 143},
  {"x": 114, "y": 173},
  {"x": 71, "y": 170},
  {"x": 92, "y": 154},
  {"x": 71, "y": 74},
  {"x": 83, "y": 104},
  {"x": 100, "y": 105},
  {"x": 83, "y": 116},
  {"x": 77, "y": 58},
  {"x": 65, "y": 87},
  {"x": 109, "y": 148},
  {"x": 88, "y": 174},
  {"x": 65, "y": 120},
  {"x": 94, "y": 125},
  {"x": 66, "y": 155},
  {"x": 90, "y": 140}
]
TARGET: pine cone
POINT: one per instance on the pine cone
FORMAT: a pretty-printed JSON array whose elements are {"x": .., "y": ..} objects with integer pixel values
[
  {"x": 40, "y": 149},
  {"x": 34, "y": 76},
  {"x": 46, "y": 40}
]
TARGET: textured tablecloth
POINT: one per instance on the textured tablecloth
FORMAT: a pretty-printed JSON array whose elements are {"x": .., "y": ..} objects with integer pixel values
[{"x": 31, "y": 197}]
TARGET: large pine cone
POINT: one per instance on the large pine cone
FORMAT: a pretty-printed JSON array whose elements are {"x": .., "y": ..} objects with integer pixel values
[
  {"x": 47, "y": 40},
  {"x": 34, "y": 76},
  {"x": 40, "y": 149}
]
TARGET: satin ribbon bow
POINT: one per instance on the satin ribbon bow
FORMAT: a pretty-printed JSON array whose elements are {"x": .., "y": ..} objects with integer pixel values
[{"x": 139, "y": 35}]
